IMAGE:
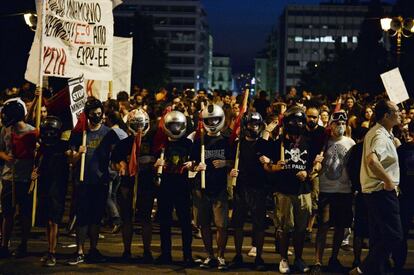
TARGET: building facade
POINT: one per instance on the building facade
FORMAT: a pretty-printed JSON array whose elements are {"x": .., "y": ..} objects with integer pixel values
[
  {"x": 261, "y": 74},
  {"x": 222, "y": 76},
  {"x": 308, "y": 32},
  {"x": 182, "y": 27}
]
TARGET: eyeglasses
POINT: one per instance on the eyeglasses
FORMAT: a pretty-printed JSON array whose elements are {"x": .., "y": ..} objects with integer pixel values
[{"x": 339, "y": 116}]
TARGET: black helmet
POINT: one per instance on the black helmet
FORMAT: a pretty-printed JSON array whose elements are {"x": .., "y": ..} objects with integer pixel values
[
  {"x": 91, "y": 104},
  {"x": 50, "y": 130},
  {"x": 14, "y": 110},
  {"x": 252, "y": 124},
  {"x": 294, "y": 121}
]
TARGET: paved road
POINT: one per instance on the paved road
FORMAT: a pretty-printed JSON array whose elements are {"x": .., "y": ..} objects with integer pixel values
[{"x": 111, "y": 246}]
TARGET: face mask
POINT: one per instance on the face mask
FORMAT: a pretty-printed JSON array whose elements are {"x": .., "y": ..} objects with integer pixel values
[
  {"x": 312, "y": 124},
  {"x": 340, "y": 130},
  {"x": 95, "y": 119}
]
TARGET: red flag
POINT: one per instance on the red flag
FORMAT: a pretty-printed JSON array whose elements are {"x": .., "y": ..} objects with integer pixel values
[
  {"x": 24, "y": 145},
  {"x": 59, "y": 102},
  {"x": 81, "y": 125},
  {"x": 237, "y": 124},
  {"x": 160, "y": 138},
  {"x": 200, "y": 126},
  {"x": 133, "y": 161}
]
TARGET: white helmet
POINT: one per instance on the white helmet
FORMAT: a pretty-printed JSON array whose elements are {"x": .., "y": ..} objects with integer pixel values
[
  {"x": 175, "y": 124},
  {"x": 213, "y": 118},
  {"x": 137, "y": 120}
]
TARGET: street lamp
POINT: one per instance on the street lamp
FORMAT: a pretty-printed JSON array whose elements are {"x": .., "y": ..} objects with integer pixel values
[
  {"x": 399, "y": 27},
  {"x": 31, "y": 20}
]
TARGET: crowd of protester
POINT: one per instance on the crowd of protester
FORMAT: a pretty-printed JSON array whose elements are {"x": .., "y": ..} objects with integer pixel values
[{"x": 305, "y": 153}]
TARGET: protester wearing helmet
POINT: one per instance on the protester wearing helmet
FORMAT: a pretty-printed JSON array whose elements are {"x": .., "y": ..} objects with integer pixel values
[
  {"x": 250, "y": 191},
  {"x": 16, "y": 172},
  {"x": 92, "y": 192},
  {"x": 52, "y": 173},
  {"x": 291, "y": 186},
  {"x": 174, "y": 190},
  {"x": 214, "y": 198},
  {"x": 139, "y": 142}
]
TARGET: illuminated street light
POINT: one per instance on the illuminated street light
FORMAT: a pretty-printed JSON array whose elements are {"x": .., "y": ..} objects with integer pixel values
[
  {"x": 399, "y": 27},
  {"x": 31, "y": 20}
]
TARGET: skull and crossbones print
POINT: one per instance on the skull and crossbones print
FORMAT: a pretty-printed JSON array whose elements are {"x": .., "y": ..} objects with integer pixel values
[{"x": 296, "y": 155}]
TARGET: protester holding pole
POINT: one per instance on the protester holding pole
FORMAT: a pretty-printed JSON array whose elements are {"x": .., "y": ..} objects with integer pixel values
[
  {"x": 133, "y": 159},
  {"x": 174, "y": 190},
  {"x": 52, "y": 174},
  {"x": 250, "y": 190},
  {"x": 17, "y": 145},
  {"x": 291, "y": 187},
  {"x": 212, "y": 202},
  {"x": 92, "y": 191}
]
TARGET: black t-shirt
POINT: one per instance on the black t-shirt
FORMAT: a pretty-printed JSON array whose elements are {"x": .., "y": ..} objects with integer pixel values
[
  {"x": 175, "y": 155},
  {"x": 54, "y": 167},
  {"x": 297, "y": 158},
  {"x": 122, "y": 152},
  {"x": 251, "y": 172},
  {"x": 216, "y": 148},
  {"x": 317, "y": 139},
  {"x": 406, "y": 160}
]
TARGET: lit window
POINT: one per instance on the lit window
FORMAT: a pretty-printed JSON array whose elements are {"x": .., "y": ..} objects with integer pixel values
[
  {"x": 344, "y": 39},
  {"x": 354, "y": 39},
  {"x": 298, "y": 39}
]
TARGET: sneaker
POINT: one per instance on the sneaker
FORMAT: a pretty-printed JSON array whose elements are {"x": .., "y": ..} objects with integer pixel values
[
  {"x": 79, "y": 258},
  {"x": 237, "y": 262},
  {"x": 164, "y": 259},
  {"x": 252, "y": 252},
  {"x": 147, "y": 258},
  {"x": 259, "y": 264},
  {"x": 316, "y": 269},
  {"x": 208, "y": 262},
  {"x": 221, "y": 264},
  {"x": 94, "y": 256},
  {"x": 335, "y": 266},
  {"x": 301, "y": 266},
  {"x": 44, "y": 257},
  {"x": 284, "y": 267},
  {"x": 50, "y": 261},
  {"x": 101, "y": 236},
  {"x": 354, "y": 271},
  {"x": 21, "y": 251}
]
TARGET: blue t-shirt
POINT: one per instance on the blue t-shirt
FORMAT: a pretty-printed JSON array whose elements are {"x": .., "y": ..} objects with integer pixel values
[{"x": 92, "y": 160}]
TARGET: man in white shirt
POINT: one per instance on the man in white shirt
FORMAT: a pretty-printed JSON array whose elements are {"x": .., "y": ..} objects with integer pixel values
[{"x": 380, "y": 175}]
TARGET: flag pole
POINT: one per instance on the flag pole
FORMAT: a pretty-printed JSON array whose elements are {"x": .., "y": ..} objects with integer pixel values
[
  {"x": 134, "y": 199},
  {"x": 236, "y": 160},
  {"x": 39, "y": 105},
  {"x": 203, "y": 151}
]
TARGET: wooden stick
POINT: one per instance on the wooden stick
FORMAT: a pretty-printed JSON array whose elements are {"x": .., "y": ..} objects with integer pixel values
[
  {"x": 159, "y": 169},
  {"x": 236, "y": 160},
  {"x": 202, "y": 152},
  {"x": 282, "y": 145},
  {"x": 83, "y": 156}
]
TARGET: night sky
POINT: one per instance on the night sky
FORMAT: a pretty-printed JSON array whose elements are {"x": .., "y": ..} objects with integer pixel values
[{"x": 240, "y": 27}]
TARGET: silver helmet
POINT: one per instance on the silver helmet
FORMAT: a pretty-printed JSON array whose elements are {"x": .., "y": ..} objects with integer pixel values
[
  {"x": 138, "y": 120},
  {"x": 175, "y": 124},
  {"x": 213, "y": 118}
]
